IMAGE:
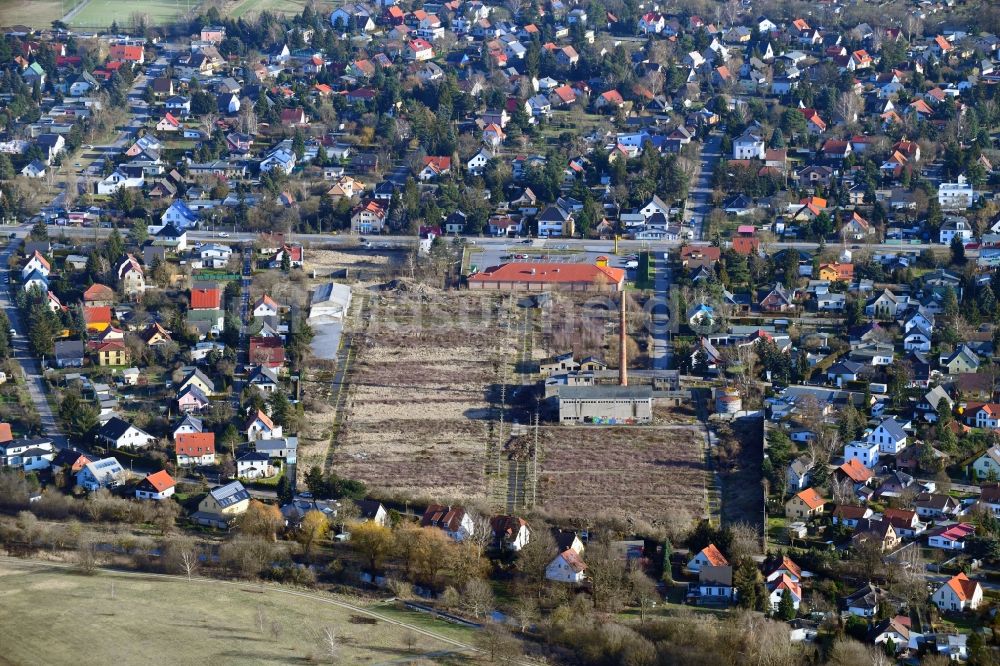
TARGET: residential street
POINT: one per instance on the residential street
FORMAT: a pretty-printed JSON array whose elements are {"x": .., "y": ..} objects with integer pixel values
[
  {"x": 699, "y": 201},
  {"x": 30, "y": 367}
]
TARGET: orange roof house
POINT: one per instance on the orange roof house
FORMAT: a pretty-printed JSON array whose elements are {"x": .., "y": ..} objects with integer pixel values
[
  {"x": 195, "y": 448},
  {"x": 5, "y": 434},
  {"x": 97, "y": 318},
  {"x": 709, "y": 556},
  {"x": 813, "y": 120},
  {"x": 805, "y": 504},
  {"x": 538, "y": 276},
  {"x": 854, "y": 470},
  {"x": 99, "y": 294},
  {"x": 836, "y": 272},
  {"x": 127, "y": 52},
  {"x": 206, "y": 298},
  {"x": 158, "y": 485}
]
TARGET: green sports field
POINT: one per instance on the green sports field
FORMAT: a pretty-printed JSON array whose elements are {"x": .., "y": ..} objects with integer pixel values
[
  {"x": 283, "y": 7},
  {"x": 100, "y": 13}
]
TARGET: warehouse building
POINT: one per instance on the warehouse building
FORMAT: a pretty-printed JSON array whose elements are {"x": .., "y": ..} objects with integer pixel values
[{"x": 605, "y": 405}]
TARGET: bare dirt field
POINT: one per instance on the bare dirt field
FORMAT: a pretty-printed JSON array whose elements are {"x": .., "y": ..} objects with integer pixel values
[
  {"x": 417, "y": 414},
  {"x": 638, "y": 472}
]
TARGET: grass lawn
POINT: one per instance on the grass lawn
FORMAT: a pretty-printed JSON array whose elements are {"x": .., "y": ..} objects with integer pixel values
[
  {"x": 281, "y": 7},
  {"x": 35, "y": 14},
  {"x": 140, "y": 619},
  {"x": 100, "y": 13}
]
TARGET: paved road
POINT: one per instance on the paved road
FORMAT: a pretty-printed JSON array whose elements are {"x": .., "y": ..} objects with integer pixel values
[
  {"x": 661, "y": 352},
  {"x": 30, "y": 367},
  {"x": 405, "y": 242},
  {"x": 699, "y": 201}
]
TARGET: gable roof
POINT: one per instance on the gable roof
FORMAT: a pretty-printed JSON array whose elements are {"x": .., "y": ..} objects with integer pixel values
[
  {"x": 114, "y": 428},
  {"x": 713, "y": 555},
  {"x": 811, "y": 498},
  {"x": 573, "y": 560},
  {"x": 160, "y": 481},
  {"x": 963, "y": 588},
  {"x": 206, "y": 298},
  {"x": 195, "y": 444},
  {"x": 229, "y": 494},
  {"x": 855, "y": 471}
]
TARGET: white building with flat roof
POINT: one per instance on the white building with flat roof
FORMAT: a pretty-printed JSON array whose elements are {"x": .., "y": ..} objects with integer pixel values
[{"x": 956, "y": 195}]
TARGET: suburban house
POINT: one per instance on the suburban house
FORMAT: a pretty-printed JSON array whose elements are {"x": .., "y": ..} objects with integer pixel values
[
  {"x": 889, "y": 436},
  {"x": 567, "y": 567},
  {"x": 709, "y": 556},
  {"x": 867, "y": 453},
  {"x": 260, "y": 426},
  {"x": 103, "y": 473},
  {"x": 455, "y": 521},
  {"x": 951, "y": 537},
  {"x": 959, "y": 593},
  {"x": 222, "y": 506},
  {"x": 118, "y": 433},
  {"x": 509, "y": 533},
  {"x": 157, "y": 486},
  {"x": 804, "y": 505},
  {"x": 254, "y": 465},
  {"x": 715, "y": 584},
  {"x": 195, "y": 448}
]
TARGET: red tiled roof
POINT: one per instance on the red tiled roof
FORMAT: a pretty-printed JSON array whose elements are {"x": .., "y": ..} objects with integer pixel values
[
  {"x": 126, "y": 52},
  {"x": 855, "y": 471},
  {"x": 811, "y": 498},
  {"x": 194, "y": 444},
  {"x": 5, "y": 433},
  {"x": 203, "y": 298},
  {"x": 94, "y": 314},
  {"x": 962, "y": 586},
  {"x": 263, "y": 418},
  {"x": 160, "y": 481},
  {"x": 549, "y": 273},
  {"x": 714, "y": 556}
]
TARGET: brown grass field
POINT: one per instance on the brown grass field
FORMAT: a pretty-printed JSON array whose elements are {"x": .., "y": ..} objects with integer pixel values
[
  {"x": 416, "y": 419},
  {"x": 124, "y": 619},
  {"x": 639, "y": 472},
  {"x": 35, "y": 14}
]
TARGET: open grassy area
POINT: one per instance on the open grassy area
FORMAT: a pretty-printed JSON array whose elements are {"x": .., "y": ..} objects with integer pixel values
[
  {"x": 196, "y": 623},
  {"x": 282, "y": 7},
  {"x": 100, "y": 13},
  {"x": 34, "y": 14}
]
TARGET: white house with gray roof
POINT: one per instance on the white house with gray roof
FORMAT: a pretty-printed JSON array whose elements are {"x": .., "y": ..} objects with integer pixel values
[{"x": 889, "y": 436}]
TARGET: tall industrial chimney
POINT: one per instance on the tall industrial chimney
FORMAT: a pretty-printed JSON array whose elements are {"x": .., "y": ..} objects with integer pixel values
[{"x": 622, "y": 344}]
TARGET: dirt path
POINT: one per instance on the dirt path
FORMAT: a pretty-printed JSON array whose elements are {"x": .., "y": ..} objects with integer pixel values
[{"x": 71, "y": 14}]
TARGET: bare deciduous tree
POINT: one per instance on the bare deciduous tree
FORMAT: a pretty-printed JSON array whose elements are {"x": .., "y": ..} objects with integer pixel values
[{"x": 329, "y": 642}]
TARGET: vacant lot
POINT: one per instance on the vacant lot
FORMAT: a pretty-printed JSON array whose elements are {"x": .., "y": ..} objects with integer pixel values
[
  {"x": 100, "y": 13},
  {"x": 195, "y": 623},
  {"x": 639, "y": 472},
  {"x": 416, "y": 419},
  {"x": 34, "y": 14}
]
